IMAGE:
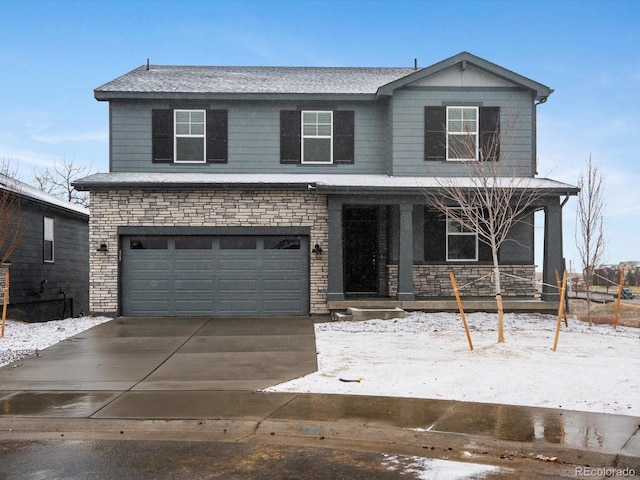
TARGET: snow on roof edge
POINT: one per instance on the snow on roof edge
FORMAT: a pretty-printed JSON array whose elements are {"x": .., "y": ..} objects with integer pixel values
[
  {"x": 31, "y": 192},
  {"x": 105, "y": 180}
]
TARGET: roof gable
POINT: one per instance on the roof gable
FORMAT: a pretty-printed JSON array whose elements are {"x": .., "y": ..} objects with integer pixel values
[{"x": 466, "y": 70}]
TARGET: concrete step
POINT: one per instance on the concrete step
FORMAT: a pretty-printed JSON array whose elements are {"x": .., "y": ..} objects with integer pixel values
[
  {"x": 342, "y": 317},
  {"x": 371, "y": 313}
]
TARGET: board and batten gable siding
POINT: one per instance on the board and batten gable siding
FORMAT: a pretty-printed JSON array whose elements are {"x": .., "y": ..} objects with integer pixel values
[
  {"x": 253, "y": 138},
  {"x": 517, "y": 124}
]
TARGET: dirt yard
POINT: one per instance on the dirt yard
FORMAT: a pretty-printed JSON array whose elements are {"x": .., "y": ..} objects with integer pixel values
[{"x": 605, "y": 313}]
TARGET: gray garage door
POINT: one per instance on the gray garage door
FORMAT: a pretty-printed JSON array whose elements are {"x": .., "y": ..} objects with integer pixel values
[{"x": 215, "y": 275}]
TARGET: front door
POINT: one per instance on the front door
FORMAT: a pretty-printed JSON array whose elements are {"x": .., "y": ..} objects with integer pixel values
[{"x": 360, "y": 250}]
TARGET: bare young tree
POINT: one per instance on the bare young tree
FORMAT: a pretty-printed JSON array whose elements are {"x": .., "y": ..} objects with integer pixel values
[
  {"x": 10, "y": 218},
  {"x": 590, "y": 238},
  {"x": 489, "y": 200},
  {"x": 59, "y": 181}
]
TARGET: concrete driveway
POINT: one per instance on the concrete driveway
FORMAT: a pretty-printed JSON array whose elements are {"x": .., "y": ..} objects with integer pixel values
[{"x": 172, "y": 354}]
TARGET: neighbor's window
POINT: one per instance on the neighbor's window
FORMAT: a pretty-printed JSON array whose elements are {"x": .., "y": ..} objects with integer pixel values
[
  {"x": 190, "y": 130},
  {"x": 462, "y": 243},
  {"x": 317, "y": 138},
  {"x": 462, "y": 133},
  {"x": 48, "y": 245}
]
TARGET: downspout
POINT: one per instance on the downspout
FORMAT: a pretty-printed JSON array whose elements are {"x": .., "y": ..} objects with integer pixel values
[{"x": 535, "y": 133}]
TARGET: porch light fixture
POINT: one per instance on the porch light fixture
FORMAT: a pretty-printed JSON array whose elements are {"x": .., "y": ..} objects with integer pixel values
[
  {"x": 316, "y": 249},
  {"x": 102, "y": 248}
]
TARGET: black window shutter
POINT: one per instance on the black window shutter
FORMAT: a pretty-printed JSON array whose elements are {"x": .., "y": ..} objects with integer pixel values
[
  {"x": 216, "y": 136},
  {"x": 489, "y": 133},
  {"x": 435, "y": 135},
  {"x": 290, "y": 124},
  {"x": 484, "y": 251},
  {"x": 435, "y": 237},
  {"x": 343, "y": 137},
  {"x": 162, "y": 136}
]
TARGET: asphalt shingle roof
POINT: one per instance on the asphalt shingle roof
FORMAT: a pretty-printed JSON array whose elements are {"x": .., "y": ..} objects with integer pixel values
[{"x": 285, "y": 80}]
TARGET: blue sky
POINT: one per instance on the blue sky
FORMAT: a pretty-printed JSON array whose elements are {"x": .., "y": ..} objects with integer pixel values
[{"x": 54, "y": 53}]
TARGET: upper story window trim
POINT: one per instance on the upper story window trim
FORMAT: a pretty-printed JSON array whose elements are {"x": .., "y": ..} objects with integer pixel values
[
  {"x": 462, "y": 133},
  {"x": 190, "y": 144},
  {"x": 317, "y": 137}
]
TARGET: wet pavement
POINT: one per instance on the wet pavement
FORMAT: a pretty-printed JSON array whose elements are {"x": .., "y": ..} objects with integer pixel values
[
  {"x": 195, "y": 379},
  {"x": 122, "y": 459}
]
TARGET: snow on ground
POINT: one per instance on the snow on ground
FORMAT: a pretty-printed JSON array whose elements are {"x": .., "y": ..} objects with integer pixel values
[
  {"x": 426, "y": 355},
  {"x": 22, "y": 339}
]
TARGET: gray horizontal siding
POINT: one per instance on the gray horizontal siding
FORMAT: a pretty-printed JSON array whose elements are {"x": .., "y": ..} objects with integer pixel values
[
  {"x": 517, "y": 125},
  {"x": 254, "y": 134},
  {"x": 253, "y": 139}
]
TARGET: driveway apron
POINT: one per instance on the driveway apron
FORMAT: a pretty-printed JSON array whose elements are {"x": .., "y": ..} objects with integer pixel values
[{"x": 172, "y": 354}]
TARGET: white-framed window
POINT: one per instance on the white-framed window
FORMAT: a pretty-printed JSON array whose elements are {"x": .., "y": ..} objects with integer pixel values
[
  {"x": 317, "y": 136},
  {"x": 48, "y": 241},
  {"x": 462, "y": 243},
  {"x": 462, "y": 133},
  {"x": 190, "y": 127}
]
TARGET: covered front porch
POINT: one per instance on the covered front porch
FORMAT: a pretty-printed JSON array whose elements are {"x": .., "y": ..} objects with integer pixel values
[{"x": 379, "y": 257}]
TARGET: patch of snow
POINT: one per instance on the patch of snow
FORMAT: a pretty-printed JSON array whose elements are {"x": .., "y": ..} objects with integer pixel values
[
  {"x": 426, "y": 355},
  {"x": 22, "y": 339},
  {"x": 430, "y": 468}
]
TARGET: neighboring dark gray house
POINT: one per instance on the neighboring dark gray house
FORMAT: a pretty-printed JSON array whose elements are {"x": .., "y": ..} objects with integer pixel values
[
  {"x": 49, "y": 270},
  {"x": 269, "y": 190}
]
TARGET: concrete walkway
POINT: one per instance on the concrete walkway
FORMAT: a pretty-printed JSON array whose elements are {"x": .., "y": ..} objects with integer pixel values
[{"x": 196, "y": 379}]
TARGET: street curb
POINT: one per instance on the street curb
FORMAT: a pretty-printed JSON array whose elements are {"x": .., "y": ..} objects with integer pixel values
[{"x": 235, "y": 430}]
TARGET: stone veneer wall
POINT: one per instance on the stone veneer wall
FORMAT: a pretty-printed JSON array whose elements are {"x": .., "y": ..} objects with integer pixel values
[
  {"x": 433, "y": 280},
  {"x": 3, "y": 275},
  {"x": 200, "y": 208}
]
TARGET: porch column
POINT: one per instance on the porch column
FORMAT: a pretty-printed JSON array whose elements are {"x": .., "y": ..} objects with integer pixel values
[
  {"x": 552, "y": 249},
  {"x": 405, "y": 254},
  {"x": 335, "y": 288}
]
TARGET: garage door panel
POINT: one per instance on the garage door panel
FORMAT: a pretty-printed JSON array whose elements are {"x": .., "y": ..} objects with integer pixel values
[
  {"x": 238, "y": 275},
  {"x": 238, "y": 307},
  {"x": 194, "y": 286},
  {"x": 237, "y": 266},
  {"x": 245, "y": 285},
  {"x": 282, "y": 287},
  {"x": 283, "y": 265},
  {"x": 193, "y": 307}
]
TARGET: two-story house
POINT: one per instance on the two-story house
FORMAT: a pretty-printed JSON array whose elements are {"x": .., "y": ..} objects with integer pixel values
[{"x": 268, "y": 190}]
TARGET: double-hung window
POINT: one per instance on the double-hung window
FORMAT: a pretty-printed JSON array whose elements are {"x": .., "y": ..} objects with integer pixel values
[
  {"x": 462, "y": 243},
  {"x": 462, "y": 133},
  {"x": 48, "y": 241},
  {"x": 190, "y": 144},
  {"x": 317, "y": 137}
]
